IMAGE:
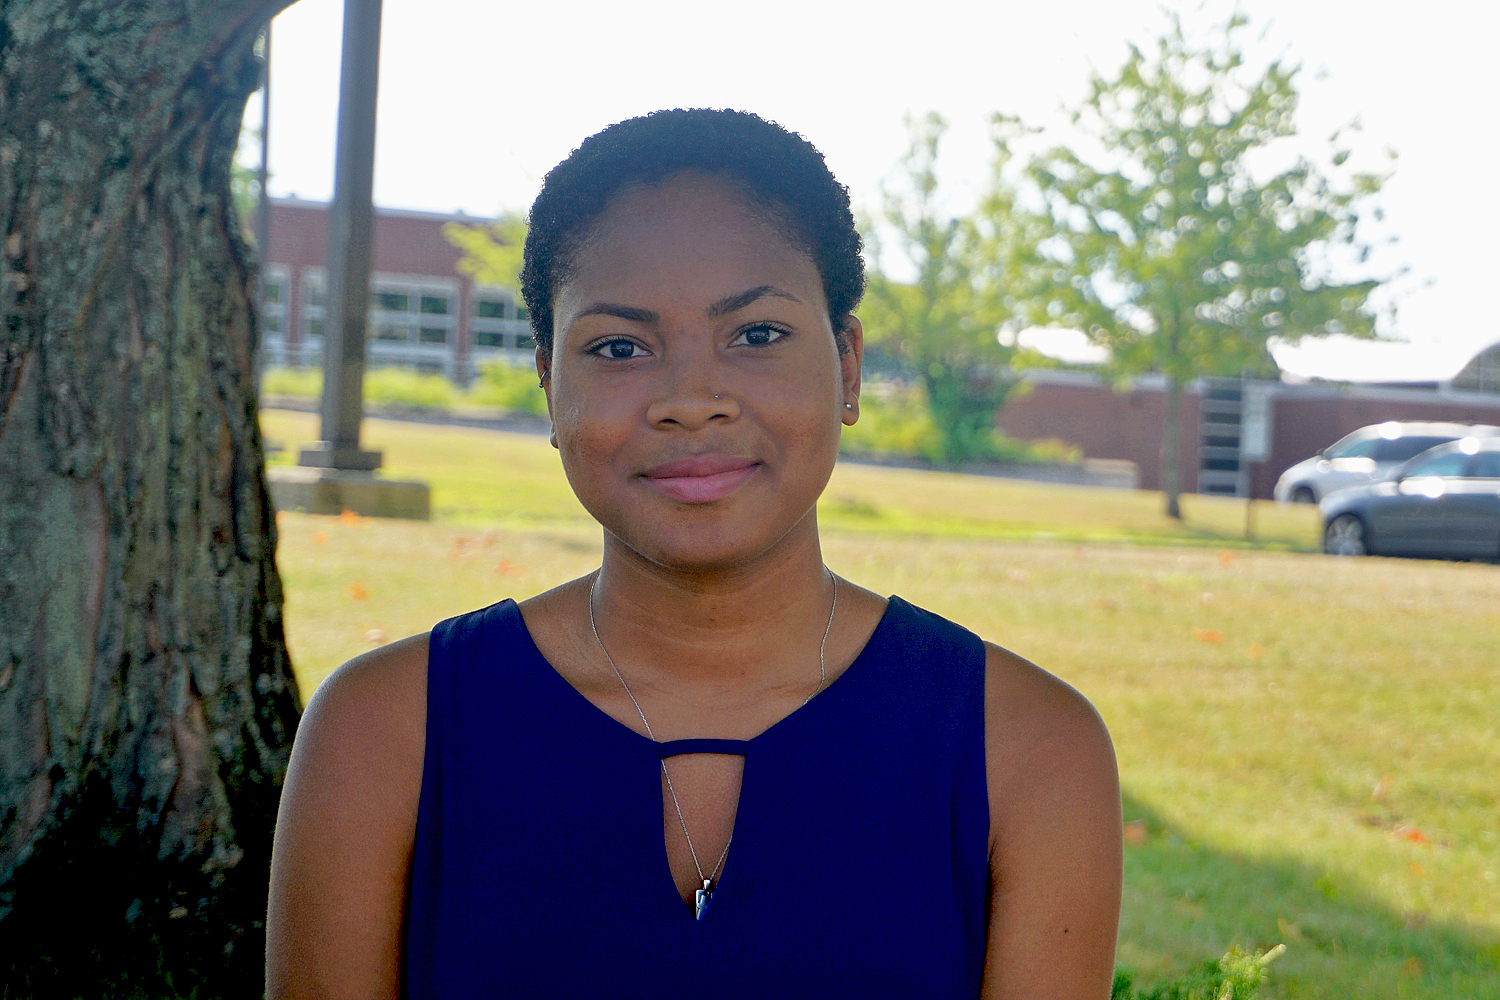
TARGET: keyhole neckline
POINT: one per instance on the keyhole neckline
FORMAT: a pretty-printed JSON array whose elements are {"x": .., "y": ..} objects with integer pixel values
[{"x": 840, "y": 684}]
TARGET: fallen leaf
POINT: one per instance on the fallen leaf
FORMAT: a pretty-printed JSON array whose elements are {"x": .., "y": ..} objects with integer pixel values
[
  {"x": 1106, "y": 604},
  {"x": 1377, "y": 794},
  {"x": 177, "y": 912},
  {"x": 320, "y": 537},
  {"x": 357, "y": 591},
  {"x": 1135, "y": 832},
  {"x": 1254, "y": 650},
  {"x": 348, "y": 517},
  {"x": 488, "y": 538},
  {"x": 1288, "y": 928},
  {"x": 1410, "y": 833},
  {"x": 506, "y": 567},
  {"x": 1208, "y": 635},
  {"x": 377, "y": 636},
  {"x": 1226, "y": 557}
]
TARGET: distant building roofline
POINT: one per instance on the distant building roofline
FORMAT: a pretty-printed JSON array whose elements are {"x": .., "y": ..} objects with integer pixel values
[{"x": 401, "y": 213}]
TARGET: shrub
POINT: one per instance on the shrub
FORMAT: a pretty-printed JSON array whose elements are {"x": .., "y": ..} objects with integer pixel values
[
  {"x": 1236, "y": 976},
  {"x": 895, "y": 421},
  {"x": 402, "y": 387},
  {"x": 510, "y": 387},
  {"x": 304, "y": 383}
]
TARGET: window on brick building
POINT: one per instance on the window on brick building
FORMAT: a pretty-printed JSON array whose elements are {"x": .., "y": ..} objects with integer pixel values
[
  {"x": 273, "y": 291},
  {"x": 489, "y": 338},
  {"x": 490, "y": 308},
  {"x": 435, "y": 305},
  {"x": 434, "y": 335},
  {"x": 392, "y": 331},
  {"x": 391, "y": 301}
]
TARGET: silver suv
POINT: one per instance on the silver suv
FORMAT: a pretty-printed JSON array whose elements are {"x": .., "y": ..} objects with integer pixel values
[{"x": 1368, "y": 455}]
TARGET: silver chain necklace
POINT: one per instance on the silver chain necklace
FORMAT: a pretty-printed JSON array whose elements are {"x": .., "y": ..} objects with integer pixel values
[{"x": 703, "y": 895}]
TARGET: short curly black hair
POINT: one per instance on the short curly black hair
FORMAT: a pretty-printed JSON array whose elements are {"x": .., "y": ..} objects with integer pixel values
[{"x": 777, "y": 170}]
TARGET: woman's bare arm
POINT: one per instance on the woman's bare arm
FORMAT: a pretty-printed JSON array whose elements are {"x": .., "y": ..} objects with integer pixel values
[
  {"x": 345, "y": 830},
  {"x": 1055, "y": 845}
]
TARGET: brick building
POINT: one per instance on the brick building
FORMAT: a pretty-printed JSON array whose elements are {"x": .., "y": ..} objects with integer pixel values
[
  {"x": 1084, "y": 410},
  {"x": 424, "y": 313}
]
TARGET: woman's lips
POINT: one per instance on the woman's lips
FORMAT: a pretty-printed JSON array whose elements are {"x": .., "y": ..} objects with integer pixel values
[{"x": 702, "y": 479}]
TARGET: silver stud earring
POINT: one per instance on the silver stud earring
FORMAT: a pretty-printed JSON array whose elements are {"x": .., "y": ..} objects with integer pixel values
[{"x": 848, "y": 406}]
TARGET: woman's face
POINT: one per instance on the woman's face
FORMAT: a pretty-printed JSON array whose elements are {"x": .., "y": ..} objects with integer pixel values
[{"x": 695, "y": 385}]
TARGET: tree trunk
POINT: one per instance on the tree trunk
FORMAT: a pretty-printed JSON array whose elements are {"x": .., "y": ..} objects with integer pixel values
[
  {"x": 1171, "y": 473},
  {"x": 146, "y": 702}
]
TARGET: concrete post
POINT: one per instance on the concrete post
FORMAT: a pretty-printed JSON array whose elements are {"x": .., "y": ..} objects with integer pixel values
[{"x": 350, "y": 239}]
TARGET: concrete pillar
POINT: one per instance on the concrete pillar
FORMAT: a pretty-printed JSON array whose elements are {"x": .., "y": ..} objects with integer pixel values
[
  {"x": 350, "y": 240},
  {"x": 342, "y": 475}
]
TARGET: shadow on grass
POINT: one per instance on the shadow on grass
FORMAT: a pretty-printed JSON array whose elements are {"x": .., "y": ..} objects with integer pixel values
[{"x": 1185, "y": 902}]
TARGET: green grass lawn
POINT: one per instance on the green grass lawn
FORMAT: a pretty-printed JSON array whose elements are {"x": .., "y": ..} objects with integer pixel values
[{"x": 1309, "y": 747}]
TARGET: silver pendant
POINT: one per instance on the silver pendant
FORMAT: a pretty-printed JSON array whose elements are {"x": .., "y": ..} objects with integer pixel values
[{"x": 702, "y": 897}]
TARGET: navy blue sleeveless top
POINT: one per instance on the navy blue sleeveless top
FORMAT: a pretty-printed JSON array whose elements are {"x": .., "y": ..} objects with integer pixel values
[{"x": 859, "y": 867}]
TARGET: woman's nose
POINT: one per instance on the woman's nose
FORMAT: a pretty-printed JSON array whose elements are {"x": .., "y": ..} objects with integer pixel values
[{"x": 690, "y": 401}]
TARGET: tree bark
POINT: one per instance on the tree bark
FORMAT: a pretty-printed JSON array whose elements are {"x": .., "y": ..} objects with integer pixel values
[
  {"x": 1171, "y": 472},
  {"x": 147, "y": 705}
]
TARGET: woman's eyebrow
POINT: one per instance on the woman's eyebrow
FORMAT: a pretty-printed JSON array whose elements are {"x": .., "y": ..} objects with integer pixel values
[
  {"x": 723, "y": 307},
  {"x": 633, "y": 313},
  {"x": 734, "y": 303}
]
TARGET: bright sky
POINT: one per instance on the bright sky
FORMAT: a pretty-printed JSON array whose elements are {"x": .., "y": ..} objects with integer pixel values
[{"x": 478, "y": 100}]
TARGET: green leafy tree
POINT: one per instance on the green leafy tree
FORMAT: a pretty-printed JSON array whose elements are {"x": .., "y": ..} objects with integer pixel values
[
  {"x": 1174, "y": 256},
  {"x": 492, "y": 252},
  {"x": 972, "y": 276}
]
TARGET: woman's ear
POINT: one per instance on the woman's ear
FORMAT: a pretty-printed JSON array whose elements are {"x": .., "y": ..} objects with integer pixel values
[
  {"x": 851, "y": 344},
  {"x": 544, "y": 382}
]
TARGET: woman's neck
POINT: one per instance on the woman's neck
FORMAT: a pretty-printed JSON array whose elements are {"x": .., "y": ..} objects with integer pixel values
[{"x": 756, "y": 624}]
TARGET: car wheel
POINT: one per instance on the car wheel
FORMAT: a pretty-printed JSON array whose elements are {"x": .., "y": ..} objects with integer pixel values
[
  {"x": 1345, "y": 536},
  {"x": 1303, "y": 494}
]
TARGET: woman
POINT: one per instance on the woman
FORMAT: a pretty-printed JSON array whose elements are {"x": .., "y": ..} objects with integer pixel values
[{"x": 856, "y": 798}]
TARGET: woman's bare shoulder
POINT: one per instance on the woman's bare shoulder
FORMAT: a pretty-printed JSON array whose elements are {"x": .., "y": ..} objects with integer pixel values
[
  {"x": 384, "y": 686},
  {"x": 1055, "y": 850},
  {"x": 1035, "y": 722},
  {"x": 362, "y": 735},
  {"x": 345, "y": 829}
]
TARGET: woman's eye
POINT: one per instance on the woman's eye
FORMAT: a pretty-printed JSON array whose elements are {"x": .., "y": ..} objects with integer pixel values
[
  {"x": 759, "y": 336},
  {"x": 620, "y": 350}
]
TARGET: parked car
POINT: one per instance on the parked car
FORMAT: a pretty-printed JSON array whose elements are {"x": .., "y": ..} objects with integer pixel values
[
  {"x": 1445, "y": 503},
  {"x": 1368, "y": 455}
]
